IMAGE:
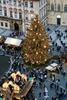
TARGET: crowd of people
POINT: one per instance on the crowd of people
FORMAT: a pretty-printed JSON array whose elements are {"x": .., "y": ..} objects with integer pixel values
[
  {"x": 59, "y": 39},
  {"x": 44, "y": 80},
  {"x": 60, "y": 92},
  {"x": 16, "y": 34}
]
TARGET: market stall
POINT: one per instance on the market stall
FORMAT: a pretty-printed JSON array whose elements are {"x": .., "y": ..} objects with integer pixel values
[
  {"x": 13, "y": 43},
  {"x": 52, "y": 67}
]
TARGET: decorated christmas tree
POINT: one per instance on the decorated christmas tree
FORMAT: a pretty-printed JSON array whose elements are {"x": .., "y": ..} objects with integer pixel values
[{"x": 36, "y": 45}]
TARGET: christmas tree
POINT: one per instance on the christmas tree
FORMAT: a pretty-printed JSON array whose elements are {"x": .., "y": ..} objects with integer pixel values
[{"x": 36, "y": 45}]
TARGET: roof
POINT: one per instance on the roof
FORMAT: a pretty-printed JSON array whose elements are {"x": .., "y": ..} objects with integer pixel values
[{"x": 13, "y": 41}]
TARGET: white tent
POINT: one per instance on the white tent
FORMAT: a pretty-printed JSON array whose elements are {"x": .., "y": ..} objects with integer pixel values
[
  {"x": 52, "y": 67},
  {"x": 13, "y": 41},
  {"x": 54, "y": 64}
]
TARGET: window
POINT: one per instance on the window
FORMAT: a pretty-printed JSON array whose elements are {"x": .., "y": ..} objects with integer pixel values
[
  {"x": 14, "y": 2},
  {"x": 65, "y": 8},
  {"x": 19, "y": 3},
  {"x": 58, "y": 7},
  {"x": 0, "y": 1},
  {"x": 6, "y": 25},
  {"x": 11, "y": 15},
  {"x": 26, "y": 4},
  {"x": 1, "y": 23},
  {"x": 26, "y": 18},
  {"x": 10, "y": 1},
  {"x": 52, "y": 7},
  {"x": 5, "y": 12},
  {"x": 31, "y": 4},
  {"x": 15, "y": 14},
  {"x": 20, "y": 15},
  {"x": 4, "y": 1},
  {"x": 0, "y": 10}
]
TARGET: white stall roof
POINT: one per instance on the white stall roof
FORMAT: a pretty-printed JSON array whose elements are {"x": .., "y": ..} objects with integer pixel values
[
  {"x": 50, "y": 68},
  {"x": 54, "y": 64},
  {"x": 13, "y": 41}
]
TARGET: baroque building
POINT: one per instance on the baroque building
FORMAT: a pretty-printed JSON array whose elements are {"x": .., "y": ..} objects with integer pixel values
[
  {"x": 57, "y": 12},
  {"x": 11, "y": 14},
  {"x": 17, "y": 14}
]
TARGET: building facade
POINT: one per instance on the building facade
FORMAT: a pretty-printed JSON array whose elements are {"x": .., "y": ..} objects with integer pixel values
[
  {"x": 30, "y": 8},
  {"x": 17, "y": 14},
  {"x": 11, "y": 14},
  {"x": 57, "y": 12},
  {"x": 42, "y": 11}
]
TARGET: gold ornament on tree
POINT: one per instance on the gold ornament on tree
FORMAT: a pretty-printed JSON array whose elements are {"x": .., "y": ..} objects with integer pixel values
[{"x": 36, "y": 45}]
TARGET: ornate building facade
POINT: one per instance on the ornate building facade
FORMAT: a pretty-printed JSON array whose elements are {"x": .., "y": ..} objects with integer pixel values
[
  {"x": 30, "y": 9},
  {"x": 11, "y": 14},
  {"x": 57, "y": 12},
  {"x": 17, "y": 14},
  {"x": 42, "y": 11}
]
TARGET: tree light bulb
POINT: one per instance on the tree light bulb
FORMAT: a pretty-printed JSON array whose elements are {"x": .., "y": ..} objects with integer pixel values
[
  {"x": 33, "y": 40},
  {"x": 37, "y": 62},
  {"x": 31, "y": 29},
  {"x": 36, "y": 53},
  {"x": 36, "y": 33},
  {"x": 38, "y": 21},
  {"x": 40, "y": 34},
  {"x": 45, "y": 59},
  {"x": 44, "y": 46}
]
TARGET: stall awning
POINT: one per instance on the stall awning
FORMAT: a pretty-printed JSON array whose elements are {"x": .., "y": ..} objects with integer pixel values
[
  {"x": 13, "y": 41},
  {"x": 50, "y": 68},
  {"x": 54, "y": 64}
]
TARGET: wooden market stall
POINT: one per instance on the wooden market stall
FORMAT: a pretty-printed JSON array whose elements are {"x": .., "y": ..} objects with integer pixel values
[{"x": 16, "y": 92}]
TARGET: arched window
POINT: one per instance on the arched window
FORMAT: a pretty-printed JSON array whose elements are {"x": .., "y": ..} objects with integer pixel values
[
  {"x": 4, "y": 1},
  {"x": 31, "y": 4},
  {"x": 0, "y": 10},
  {"x": 19, "y": 3},
  {"x": 15, "y": 13},
  {"x": 11, "y": 12},
  {"x": 5, "y": 11},
  {"x": 58, "y": 7},
  {"x": 65, "y": 8},
  {"x": 20, "y": 14},
  {"x": 52, "y": 7}
]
